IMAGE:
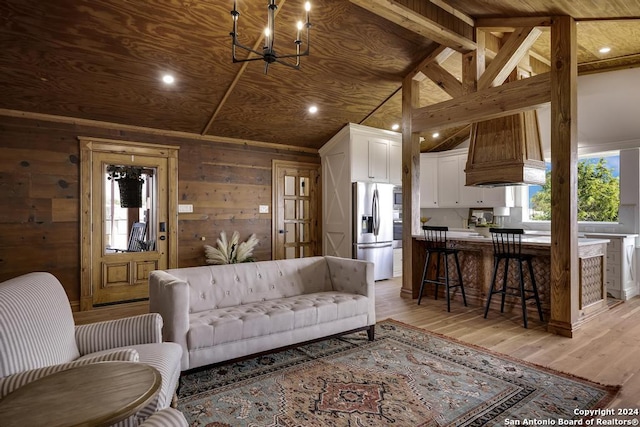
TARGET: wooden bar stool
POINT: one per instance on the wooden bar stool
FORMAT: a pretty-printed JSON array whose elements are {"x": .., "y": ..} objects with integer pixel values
[
  {"x": 436, "y": 243},
  {"x": 507, "y": 246}
]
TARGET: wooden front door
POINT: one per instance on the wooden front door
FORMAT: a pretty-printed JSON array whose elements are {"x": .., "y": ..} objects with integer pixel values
[
  {"x": 295, "y": 209},
  {"x": 127, "y": 241}
]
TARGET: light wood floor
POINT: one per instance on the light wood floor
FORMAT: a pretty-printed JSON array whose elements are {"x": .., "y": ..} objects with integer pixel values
[{"x": 606, "y": 349}]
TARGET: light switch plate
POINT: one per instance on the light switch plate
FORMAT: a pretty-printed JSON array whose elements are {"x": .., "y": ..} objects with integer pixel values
[
  {"x": 264, "y": 209},
  {"x": 185, "y": 208}
]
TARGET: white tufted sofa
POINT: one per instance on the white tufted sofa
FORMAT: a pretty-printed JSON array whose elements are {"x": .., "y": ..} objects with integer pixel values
[{"x": 222, "y": 312}]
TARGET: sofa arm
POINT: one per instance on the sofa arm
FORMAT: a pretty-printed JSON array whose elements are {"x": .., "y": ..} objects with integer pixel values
[
  {"x": 353, "y": 276},
  {"x": 15, "y": 381},
  {"x": 142, "y": 329},
  {"x": 169, "y": 296}
]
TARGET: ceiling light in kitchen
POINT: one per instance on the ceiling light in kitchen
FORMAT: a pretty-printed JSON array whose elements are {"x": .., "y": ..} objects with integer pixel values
[
  {"x": 313, "y": 109},
  {"x": 605, "y": 49},
  {"x": 395, "y": 126},
  {"x": 168, "y": 79}
]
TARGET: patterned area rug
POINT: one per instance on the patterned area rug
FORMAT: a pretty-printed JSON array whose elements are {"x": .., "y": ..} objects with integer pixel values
[{"x": 406, "y": 377}]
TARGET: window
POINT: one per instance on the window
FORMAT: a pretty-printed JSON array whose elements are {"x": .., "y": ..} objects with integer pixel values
[
  {"x": 119, "y": 220},
  {"x": 598, "y": 190}
]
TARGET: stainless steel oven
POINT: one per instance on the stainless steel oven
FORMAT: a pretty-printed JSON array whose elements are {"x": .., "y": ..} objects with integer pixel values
[
  {"x": 397, "y": 233},
  {"x": 397, "y": 198}
]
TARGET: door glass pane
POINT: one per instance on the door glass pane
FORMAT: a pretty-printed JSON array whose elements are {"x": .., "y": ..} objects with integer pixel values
[
  {"x": 303, "y": 209},
  {"x": 289, "y": 185},
  {"x": 289, "y": 253},
  {"x": 290, "y": 235},
  {"x": 130, "y": 206},
  {"x": 304, "y": 186},
  {"x": 289, "y": 209},
  {"x": 304, "y": 232}
]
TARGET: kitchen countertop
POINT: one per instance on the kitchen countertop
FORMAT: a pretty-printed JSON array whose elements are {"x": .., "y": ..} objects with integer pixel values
[{"x": 605, "y": 235}]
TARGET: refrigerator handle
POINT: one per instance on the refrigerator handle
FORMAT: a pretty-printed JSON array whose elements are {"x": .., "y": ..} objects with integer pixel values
[
  {"x": 376, "y": 212},
  {"x": 375, "y": 246}
]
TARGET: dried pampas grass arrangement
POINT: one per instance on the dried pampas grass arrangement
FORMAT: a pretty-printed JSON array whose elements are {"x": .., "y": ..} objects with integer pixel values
[{"x": 231, "y": 251}]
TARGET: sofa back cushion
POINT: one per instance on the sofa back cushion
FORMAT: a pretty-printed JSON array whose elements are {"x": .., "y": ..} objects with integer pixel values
[
  {"x": 36, "y": 324},
  {"x": 219, "y": 286}
]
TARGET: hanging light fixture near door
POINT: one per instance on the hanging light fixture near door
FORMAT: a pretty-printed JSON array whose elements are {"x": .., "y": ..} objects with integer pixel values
[{"x": 268, "y": 54}]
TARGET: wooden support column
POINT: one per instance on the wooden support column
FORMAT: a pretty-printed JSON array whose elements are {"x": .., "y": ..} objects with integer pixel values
[
  {"x": 564, "y": 195},
  {"x": 410, "y": 183},
  {"x": 473, "y": 65}
]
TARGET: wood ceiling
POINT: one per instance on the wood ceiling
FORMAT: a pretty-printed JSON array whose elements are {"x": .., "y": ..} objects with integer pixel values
[{"x": 103, "y": 60}]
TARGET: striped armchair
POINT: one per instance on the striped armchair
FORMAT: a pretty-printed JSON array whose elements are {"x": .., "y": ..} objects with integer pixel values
[
  {"x": 38, "y": 337},
  {"x": 168, "y": 417}
]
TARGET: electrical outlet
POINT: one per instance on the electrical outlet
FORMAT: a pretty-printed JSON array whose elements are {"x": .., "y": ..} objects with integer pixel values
[
  {"x": 185, "y": 208},
  {"x": 263, "y": 209}
]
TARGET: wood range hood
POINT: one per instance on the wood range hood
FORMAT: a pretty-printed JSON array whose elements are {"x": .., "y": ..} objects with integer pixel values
[{"x": 506, "y": 151}]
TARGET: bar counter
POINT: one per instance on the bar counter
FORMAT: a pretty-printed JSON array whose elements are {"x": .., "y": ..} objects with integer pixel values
[{"x": 476, "y": 263}]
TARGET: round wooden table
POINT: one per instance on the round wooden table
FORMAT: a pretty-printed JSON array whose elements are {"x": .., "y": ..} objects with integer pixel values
[{"x": 99, "y": 394}]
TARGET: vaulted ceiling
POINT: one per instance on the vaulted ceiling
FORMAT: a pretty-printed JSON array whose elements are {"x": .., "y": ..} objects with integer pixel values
[{"x": 103, "y": 60}]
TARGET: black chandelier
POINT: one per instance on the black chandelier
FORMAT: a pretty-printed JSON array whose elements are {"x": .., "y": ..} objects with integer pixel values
[{"x": 268, "y": 54}]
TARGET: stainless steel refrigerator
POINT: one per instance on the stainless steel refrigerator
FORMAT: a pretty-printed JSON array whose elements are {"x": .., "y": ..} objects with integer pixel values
[{"x": 373, "y": 226}]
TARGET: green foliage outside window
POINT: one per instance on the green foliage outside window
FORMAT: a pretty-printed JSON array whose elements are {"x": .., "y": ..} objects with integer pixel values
[{"x": 598, "y": 194}]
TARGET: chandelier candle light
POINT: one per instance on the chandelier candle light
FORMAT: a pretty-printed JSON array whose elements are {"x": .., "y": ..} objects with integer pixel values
[{"x": 268, "y": 54}]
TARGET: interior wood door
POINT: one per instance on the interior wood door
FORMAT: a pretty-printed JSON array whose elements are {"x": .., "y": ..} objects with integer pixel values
[
  {"x": 125, "y": 244},
  {"x": 295, "y": 210}
]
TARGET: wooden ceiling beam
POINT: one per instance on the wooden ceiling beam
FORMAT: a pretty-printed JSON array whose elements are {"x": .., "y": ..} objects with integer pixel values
[
  {"x": 433, "y": 56},
  {"x": 414, "y": 21},
  {"x": 443, "y": 79},
  {"x": 609, "y": 64},
  {"x": 509, "y": 98},
  {"x": 508, "y": 57},
  {"x": 539, "y": 57},
  {"x": 444, "y": 55},
  {"x": 455, "y": 12},
  {"x": 507, "y": 25}
]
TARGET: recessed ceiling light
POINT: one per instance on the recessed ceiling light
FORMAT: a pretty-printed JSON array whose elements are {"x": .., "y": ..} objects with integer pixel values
[
  {"x": 395, "y": 126},
  {"x": 168, "y": 79},
  {"x": 435, "y": 134},
  {"x": 313, "y": 109},
  {"x": 605, "y": 49}
]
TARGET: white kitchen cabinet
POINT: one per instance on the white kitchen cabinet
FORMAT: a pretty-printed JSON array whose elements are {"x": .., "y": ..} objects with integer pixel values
[
  {"x": 369, "y": 159},
  {"x": 448, "y": 182},
  {"x": 469, "y": 195},
  {"x": 397, "y": 262},
  {"x": 448, "y": 178},
  {"x": 620, "y": 275},
  {"x": 428, "y": 181},
  {"x": 374, "y": 160},
  {"x": 395, "y": 162}
]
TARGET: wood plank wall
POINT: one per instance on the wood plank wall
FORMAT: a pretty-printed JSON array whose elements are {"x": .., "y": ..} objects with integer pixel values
[{"x": 40, "y": 190}]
